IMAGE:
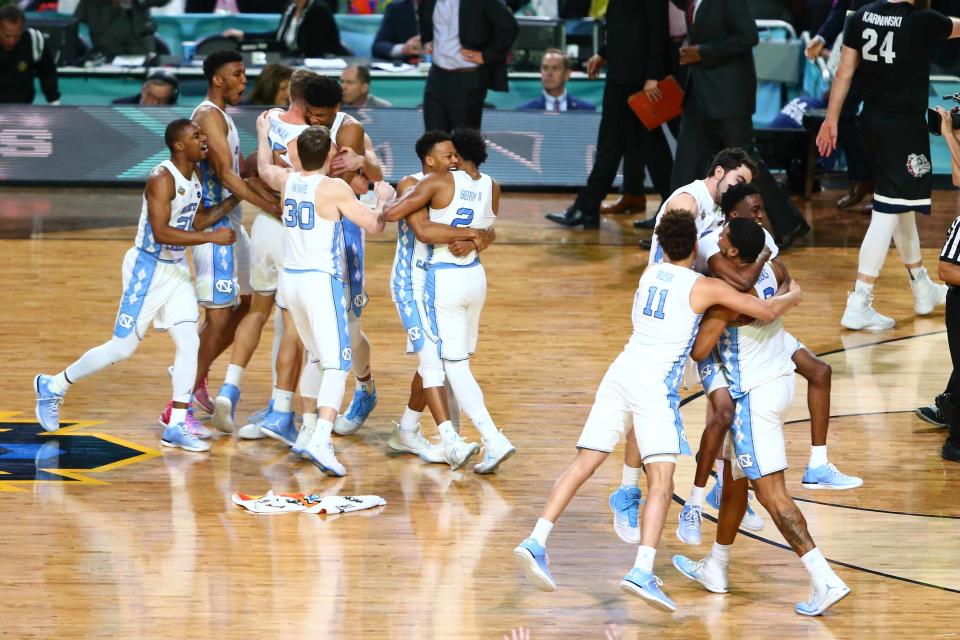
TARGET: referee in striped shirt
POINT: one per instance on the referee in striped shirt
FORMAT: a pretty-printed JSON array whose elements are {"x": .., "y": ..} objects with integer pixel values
[{"x": 949, "y": 270}]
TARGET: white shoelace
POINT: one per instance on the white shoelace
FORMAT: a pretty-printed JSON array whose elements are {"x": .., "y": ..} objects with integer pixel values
[{"x": 693, "y": 515}]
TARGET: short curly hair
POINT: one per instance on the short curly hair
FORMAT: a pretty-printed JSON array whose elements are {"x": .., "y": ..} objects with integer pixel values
[
  {"x": 470, "y": 144},
  {"x": 322, "y": 91},
  {"x": 735, "y": 195},
  {"x": 747, "y": 236},
  {"x": 428, "y": 141},
  {"x": 731, "y": 158},
  {"x": 677, "y": 233}
]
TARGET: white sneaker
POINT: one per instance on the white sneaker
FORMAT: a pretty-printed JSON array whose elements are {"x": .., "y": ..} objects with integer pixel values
[
  {"x": 303, "y": 439},
  {"x": 860, "y": 314},
  {"x": 320, "y": 452},
  {"x": 457, "y": 451},
  {"x": 823, "y": 595},
  {"x": 927, "y": 294},
  {"x": 495, "y": 451},
  {"x": 706, "y": 572},
  {"x": 251, "y": 431},
  {"x": 414, "y": 442}
]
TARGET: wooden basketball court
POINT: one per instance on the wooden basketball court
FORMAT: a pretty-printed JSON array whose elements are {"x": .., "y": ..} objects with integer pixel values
[{"x": 106, "y": 535}]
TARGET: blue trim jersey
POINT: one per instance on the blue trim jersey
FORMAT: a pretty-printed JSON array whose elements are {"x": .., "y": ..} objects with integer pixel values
[
  {"x": 311, "y": 243},
  {"x": 409, "y": 262},
  {"x": 214, "y": 192},
  {"x": 756, "y": 353},
  {"x": 282, "y": 133},
  {"x": 472, "y": 207},
  {"x": 708, "y": 218},
  {"x": 183, "y": 206}
]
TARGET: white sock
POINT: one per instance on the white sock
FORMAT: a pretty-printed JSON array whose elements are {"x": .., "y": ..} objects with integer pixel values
[
  {"x": 367, "y": 385},
  {"x": 541, "y": 530},
  {"x": 816, "y": 564},
  {"x": 283, "y": 401},
  {"x": 645, "y": 556},
  {"x": 720, "y": 554},
  {"x": 916, "y": 273},
  {"x": 864, "y": 288},
  {"x": 446, "y": 430},
  {"x": 309, "y": 421},
  {"x": 631, "y": 476},
  {"x": 177, "y": 416},
  {"x": 696, "y": 496},
  {"x": 818, "y": 456},
  {"x": 720, "y": 464},
  {"x": 234, "y": 373},
  {"x": 59, "y": 383},
  {"x": 410, "y": 420}
]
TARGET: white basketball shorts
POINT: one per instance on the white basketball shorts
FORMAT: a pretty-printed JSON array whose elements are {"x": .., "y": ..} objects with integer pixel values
[
  {"x": 223, "y": 271},
  {"x": 317, "y": 302},
  {"x": 454, "y": 297},
  {"x": 154, "y": 290},
  {"x": 266, "y": 253},
  {"x": 755, "y": 442}
]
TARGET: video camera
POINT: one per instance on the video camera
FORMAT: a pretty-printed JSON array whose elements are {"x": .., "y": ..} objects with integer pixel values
[{"x": 934, "y": 119}]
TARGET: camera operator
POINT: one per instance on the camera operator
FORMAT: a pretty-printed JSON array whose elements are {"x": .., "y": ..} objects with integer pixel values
[{"x": 950, "y": 273}]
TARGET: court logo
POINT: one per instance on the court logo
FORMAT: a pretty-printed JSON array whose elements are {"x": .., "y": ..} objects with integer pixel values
[
  {"x": 745, "y": 460},
  {"x": 224, "y": 286},
  {"x": 125, "y": 320},
  {"x": 918, "y": 165},
  {"x": 30, "y": 455}
]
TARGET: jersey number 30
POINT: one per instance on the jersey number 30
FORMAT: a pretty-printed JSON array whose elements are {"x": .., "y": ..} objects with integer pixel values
[
  {"x": 886, "y": 47},
  {"x": 298, "y": 214},
  {"x": 661, "y": 302}
]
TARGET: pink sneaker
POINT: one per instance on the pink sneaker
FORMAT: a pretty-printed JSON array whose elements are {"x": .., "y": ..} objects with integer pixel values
[
  {"x": 202, "y": 398},
  {"x": 194, "y": 426}
]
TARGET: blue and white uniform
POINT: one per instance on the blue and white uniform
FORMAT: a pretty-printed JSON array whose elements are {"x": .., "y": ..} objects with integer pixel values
[
  {"x": 267, "y": 234},
  {"x": 642, "y": 384},
  {"x": 708, "y": 218},
  {"x": 407, "y": 281},
  {"x": 222, "y": 271},
  {"x": 456, "y": 287},
  {"x": 312, "y": 286},
  {"x": 759, "y": 369},
  {"x": 353, "y": 238},
  {"x": 156, "y": 280}
]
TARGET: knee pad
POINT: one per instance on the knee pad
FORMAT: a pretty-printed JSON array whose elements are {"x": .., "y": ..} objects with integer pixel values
[
  {"x": 123, "y": 348},
  {"x": 430, "y": 368},
  {"x": 332, "y": 387}
]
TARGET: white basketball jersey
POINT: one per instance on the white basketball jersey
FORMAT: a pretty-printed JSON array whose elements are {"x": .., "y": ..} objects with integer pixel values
[
  {"x": 755, "y": 353},
  {"x": 471, "y": 206},
  {"x": 335, "y": 127},
  {"x": 664, "y": 325},
  {"x": 410, "y": 260},
  {"x": 311, "y": 243},
  {"x": 709, "y": 217},
  {"x": 213, "y": 190},
  {"x": 186, "y": 200},
  {"x": 709, "y": 245},
  {"x": 282, "y": 133}
]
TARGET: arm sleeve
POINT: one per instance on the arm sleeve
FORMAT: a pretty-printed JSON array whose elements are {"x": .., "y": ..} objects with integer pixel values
[
  {"x": 505, "y": 29},
  {"x": 47, "y": 73},
  {"x": 741, "y": 36},
  {"x": 936, "y": 25},
  {"x": 656, "y": 37},
  {"x": 951, "y": 248}
]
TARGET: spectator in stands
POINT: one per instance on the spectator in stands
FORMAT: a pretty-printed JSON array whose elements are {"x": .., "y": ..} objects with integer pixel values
[
  {"x": 554, "y": 73},
  {"x": 399, "y": 35},
  {"x": 161, "y": 88},
  {"x": 721, "y": 95},
  {"x": 355, "y": 81},
  {"x": 636, "y": 54},
  {"x": 307, "y": 29},
  {"x": 235, "y": 6},
  {"x": 120, "y": 27},
  {"x": 24, "y": 56},
  {"x": 272, "y": 87},
  {"x": 469, "y": 41}
]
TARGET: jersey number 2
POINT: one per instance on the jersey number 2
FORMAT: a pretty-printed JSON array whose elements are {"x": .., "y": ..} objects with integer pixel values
[
  {"x": 886, "y": 47},
  {"x": 661, "y": 302},
  {"x": 464, "y": 218},
  {"x": 298, "y": 214}
]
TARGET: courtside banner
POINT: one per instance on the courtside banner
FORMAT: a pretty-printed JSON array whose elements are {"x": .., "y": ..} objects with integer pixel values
[{"x": 120, "y": 144}]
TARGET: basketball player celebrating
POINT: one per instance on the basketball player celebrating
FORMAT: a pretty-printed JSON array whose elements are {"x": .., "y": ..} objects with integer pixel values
[
  {"x": 312, "y": 284},
  {"x": 347, "y": 136},
  {"x": 156, "y": 283},
  {"x": 743, "y": 201},
  {"x": 416, "y": 236},
  {"x": 455, "y": 290},
  {"x": 756, "y": 359},
  {"x": 887, "y": 44},
  {"x": 641, "y": 387},
  {"x": 222, "y": 273}
]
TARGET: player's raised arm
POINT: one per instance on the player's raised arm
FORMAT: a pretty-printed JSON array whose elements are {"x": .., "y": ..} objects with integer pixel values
[
  {"x": 741, "y": 276},
  {"x": 271, "y": 174},
  {"x": 711, "y": 328},
  {"x": 416, "y": 198},
  {"x": 710, "y": 291},
  {"x": 352, "y": 209},
  {"x": 221, "y": 160},
  {"x": 159, "y": 193}
]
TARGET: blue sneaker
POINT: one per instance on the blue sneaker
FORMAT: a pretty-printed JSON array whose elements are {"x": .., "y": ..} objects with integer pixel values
[
  {"x": 713, "y": 498},
  {"x": 279, "y": 425},
  {"x": 258, "y": 416},
  {"x": 647, "y": 586},
  {"x": 48, "y": 403},
  {"x": 625, "y": 504},
  {"x": 225, "y": 408},
  {"x": 823, "y": 596},
  {"x": 688, "y": 524},
  {"x": 532, "y": 557},
  {"x": 751, "y": 520},
  {"x": 360, "y": 408},
  {"x": 828, "y": 476},
  {"x": 179, "y": 436},
  {"x": 704, "y": 572}
]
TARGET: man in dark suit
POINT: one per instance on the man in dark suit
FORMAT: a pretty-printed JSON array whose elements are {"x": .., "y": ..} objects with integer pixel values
[
  {"x": 554, "y": 73},
  {"x": 721, "y": 96},
  {"x": 636, "y": 55},
  {"x": 469, "y": 41},
  {"x": 399, "y": 35},
  {"x": 161, "y": 88}
]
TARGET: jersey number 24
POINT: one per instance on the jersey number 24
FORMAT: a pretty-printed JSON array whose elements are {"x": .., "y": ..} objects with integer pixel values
[{"x": 886, "y": 51}]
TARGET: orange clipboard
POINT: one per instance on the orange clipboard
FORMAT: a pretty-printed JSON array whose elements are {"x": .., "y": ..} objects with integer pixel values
[{"x": 654, "y": 114}]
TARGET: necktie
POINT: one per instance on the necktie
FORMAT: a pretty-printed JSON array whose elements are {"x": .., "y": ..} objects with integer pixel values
[{"x": 691, "y": 9}]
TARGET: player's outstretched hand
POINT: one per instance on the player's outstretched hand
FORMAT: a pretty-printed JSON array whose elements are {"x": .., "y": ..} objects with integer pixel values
[
  {"x": 223, "y": 235},
  {"x": 827, "y": 138},
  {"x": 384, "y": 191}
]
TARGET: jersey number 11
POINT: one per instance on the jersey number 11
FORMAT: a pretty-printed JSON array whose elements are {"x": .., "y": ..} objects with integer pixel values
[{"x": 661, "y": 302}]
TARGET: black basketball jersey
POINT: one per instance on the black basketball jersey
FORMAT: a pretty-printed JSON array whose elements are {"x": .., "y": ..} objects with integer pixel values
[{"x": 894, "y": 40}]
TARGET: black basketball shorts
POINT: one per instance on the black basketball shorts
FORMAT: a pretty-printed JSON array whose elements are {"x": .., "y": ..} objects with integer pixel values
[{"x": 900, "y": 146}]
